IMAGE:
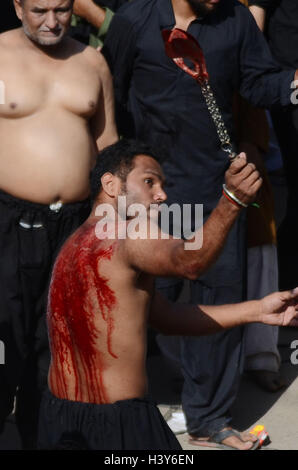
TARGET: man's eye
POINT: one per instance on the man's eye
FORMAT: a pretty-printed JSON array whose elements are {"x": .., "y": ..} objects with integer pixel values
[{"x": 148, "y": 181}]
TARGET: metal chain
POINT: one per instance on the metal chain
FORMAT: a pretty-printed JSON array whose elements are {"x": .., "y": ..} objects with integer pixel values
[{"x": 222, "y": 132}]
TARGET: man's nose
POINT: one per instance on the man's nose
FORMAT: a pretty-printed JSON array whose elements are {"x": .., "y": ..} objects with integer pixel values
[
  {"x": 160, "y": 196},
  {"x": 51, "y": 20}
]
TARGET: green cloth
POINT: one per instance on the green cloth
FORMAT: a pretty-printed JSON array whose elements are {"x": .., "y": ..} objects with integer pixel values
[{"x": 96, "y": 38}]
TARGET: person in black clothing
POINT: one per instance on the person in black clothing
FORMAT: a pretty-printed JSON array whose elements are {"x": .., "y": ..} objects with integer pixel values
[{"x": 281, "y": 29}]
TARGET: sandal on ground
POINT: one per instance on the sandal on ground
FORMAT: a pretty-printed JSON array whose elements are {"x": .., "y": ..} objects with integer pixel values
[{"x": 216, "y": 439}]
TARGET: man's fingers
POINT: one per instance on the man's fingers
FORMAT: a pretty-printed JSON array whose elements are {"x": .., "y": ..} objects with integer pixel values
[
  {"x": 248, "y": 170},
  {"x": 253, "y": 184},
  {"x": 238, "y": 164},
  {"x": 289, "y": 294},
  {"x": 256, "y": 186},
  {"x": 294, "y": 292},
  {"x": 293, "y": 323},
  {"x": 254, "y": 180},
  {"x": 243, "y": 179}
]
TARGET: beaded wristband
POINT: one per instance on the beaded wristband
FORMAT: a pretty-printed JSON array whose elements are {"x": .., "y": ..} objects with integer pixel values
[{"x": 232, "y": 196}]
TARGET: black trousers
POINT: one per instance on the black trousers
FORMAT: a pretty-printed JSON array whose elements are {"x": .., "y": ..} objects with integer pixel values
[
  {"x": 212, "y": 365},
  {"x": 30, "y": 237},
  {"x": 135, "y": 424},
  {"x": 285, "y": 122}
]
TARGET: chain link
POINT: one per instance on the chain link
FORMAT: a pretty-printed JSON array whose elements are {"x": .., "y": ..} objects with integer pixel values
[{"x": 222, "y": 132}]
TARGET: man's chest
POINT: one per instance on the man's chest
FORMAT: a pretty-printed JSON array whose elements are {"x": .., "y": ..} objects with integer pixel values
[
  {"x": 220, "y": 45},
  {"x": 29, "y": 86}
]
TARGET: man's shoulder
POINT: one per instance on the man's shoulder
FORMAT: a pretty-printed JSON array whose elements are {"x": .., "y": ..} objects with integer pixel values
[
  {"x": 10, "y": 38},
  {"x": 233, "y": 7},
  {"x": 234, "y": 11},
  {"x": 240, "y": 9},
  {"x": 91, "y": 56},
  {"x": 96, "y": 60}
]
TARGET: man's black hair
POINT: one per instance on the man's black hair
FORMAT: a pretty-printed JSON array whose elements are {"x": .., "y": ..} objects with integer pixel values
[{"x": 118, "y": 159}]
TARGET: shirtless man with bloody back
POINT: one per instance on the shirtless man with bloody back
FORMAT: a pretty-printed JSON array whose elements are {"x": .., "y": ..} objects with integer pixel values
[
  {"x": 57, "y": 113},
  {"x": 102, "y": 298}
]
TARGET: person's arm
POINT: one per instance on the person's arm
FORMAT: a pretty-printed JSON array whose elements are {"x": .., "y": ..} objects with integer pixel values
[
  {"x": 102, "y": 124},
  {"x": 98, "y": 17},
  {"x": 280, "y": 309},
  {"x": 259, "y": 15},
  {"x": 89, "y": 11},
  {"x": 264, "y": 3},
  {"x": 119, "y": 51},
  {"x": 176, "y": 257},
  {"x": 262, "y": 82}
]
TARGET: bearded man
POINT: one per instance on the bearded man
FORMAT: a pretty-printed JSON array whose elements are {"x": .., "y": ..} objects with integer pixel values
[{"x": 57, "y": 112}]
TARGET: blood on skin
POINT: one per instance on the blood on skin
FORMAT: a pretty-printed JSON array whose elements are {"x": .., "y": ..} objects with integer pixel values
[{"x": 78, "y": 293}]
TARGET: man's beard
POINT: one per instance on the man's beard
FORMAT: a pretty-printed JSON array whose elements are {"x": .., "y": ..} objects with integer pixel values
[
  {"x": 199, "y": 9},
  {"x": 131, "y": 199},
  {"x": 42, "y": 41}
]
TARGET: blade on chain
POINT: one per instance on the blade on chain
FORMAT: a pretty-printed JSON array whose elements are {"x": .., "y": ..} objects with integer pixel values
[{"x": 180, "y": 45}]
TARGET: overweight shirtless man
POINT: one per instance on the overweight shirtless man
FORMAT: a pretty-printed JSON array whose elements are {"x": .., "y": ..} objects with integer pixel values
[
  {"x": 57, "y": 114},
  {"x": 102, "y": 297}
]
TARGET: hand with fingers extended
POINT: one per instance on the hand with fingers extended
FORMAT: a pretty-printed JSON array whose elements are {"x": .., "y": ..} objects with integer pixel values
[
  {"x": 280, "y": 308},
  {"x": 242, "y": 181}
]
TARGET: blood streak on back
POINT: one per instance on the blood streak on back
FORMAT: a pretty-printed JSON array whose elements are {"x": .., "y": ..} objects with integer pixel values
[{"x": 77, "y": 294}]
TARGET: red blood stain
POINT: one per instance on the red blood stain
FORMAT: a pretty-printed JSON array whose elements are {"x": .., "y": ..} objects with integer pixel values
[{"x": 78, "y": 293}]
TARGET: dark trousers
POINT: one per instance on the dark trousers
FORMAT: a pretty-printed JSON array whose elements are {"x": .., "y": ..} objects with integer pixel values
[
  {"x": 285, "y": 122},
  {"x": 212, "y": 365},
  {"x": 135, "y": 424},
  {"x": 30, "y": 237}
]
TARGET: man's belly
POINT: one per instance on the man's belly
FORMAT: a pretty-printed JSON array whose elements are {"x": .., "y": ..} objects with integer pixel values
[{"x": 46, "y": 157}]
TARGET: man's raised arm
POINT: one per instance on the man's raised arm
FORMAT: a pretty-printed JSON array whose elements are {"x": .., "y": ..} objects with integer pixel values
[
  {"x": 90, "y": 11},
  {"x": 168, "y": 257}
]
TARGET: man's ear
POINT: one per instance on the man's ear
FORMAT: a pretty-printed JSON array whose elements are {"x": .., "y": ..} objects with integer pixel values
[
  {"x": 19, "y": 8},
  {"x": 111, "y": 184}
]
